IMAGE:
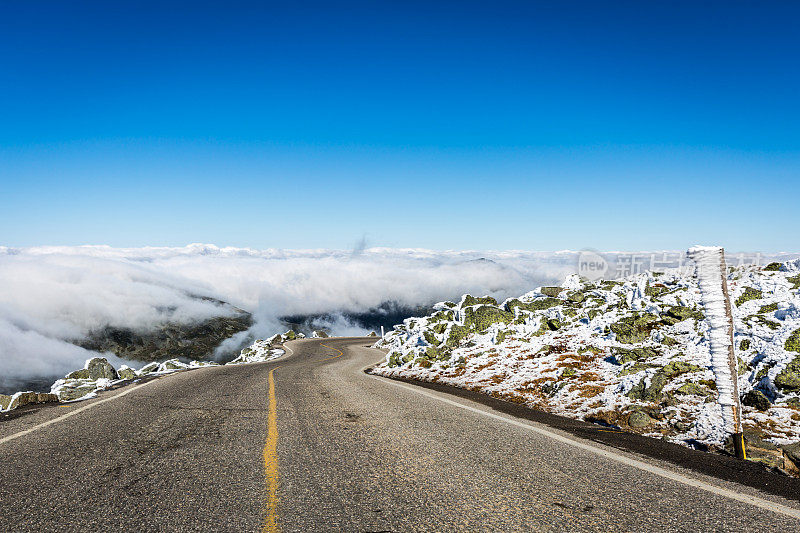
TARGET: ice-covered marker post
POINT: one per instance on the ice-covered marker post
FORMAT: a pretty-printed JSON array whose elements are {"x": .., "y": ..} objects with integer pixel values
[{"x": 712, "y": 279}]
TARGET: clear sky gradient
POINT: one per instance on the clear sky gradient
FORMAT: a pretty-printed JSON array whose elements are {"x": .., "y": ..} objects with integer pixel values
[{"x": 493, "y": 125}]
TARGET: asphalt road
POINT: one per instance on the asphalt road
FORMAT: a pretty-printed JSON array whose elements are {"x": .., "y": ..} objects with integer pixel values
[{"x": 311, "y": 443}]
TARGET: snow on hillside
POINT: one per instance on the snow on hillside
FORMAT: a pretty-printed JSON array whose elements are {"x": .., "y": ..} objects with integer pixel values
[{"x": 632, "y": 353}]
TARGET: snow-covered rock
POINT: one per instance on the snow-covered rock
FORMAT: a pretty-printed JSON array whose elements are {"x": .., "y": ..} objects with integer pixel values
[{"x": 601, "y": 351}]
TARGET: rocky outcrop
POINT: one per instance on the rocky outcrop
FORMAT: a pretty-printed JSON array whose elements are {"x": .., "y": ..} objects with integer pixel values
[
  {"x": 195, "y": 341},
  {"x": 22, "y": 399}
]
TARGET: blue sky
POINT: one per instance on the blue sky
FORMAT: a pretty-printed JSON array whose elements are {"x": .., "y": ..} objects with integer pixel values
[{"x": 539, "y": 126}]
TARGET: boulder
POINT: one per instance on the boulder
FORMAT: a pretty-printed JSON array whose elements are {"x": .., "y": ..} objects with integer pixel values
[
  {"x": 83, "y": 373},
  {"x": 538, "y": 304},
  {"x": 75, "y": 392},
  {"x": 676, "y": 368},
  {"x": 126, "y": 372},
  {"x": 471, "y": 300},
  {"x": 5, "y": 401},
  {"x": 635, "y": 328},
  {"x": 456, "y": 335},
  {"x": 757, "y": 400},
  {"x": 792, "y": 344},
  {"x": 172, "y": 364},
  {"x": 149, "y": 367},
  {"x": 624, "y": 355},
  {"x": 649, "y": 393},
  {"x": 100, "y": 368},
  {"x": 319, "y": 334},
  {"x": 639, "y": 419},
  {"x": 26, "y": 398},
  {"x": 576, "y": 297},
  {"x": 694, "y": 389},
  {"x": 791, "y": 454},
  {"x": 679, "y": 313},
  {"x": 789, "y": 378},
  {"x": 480, "y": 318},
  {"x": 551, "y": 291}
]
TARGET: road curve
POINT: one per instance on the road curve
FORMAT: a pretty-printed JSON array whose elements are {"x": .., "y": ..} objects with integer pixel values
[{"x": 310, "y": 442}]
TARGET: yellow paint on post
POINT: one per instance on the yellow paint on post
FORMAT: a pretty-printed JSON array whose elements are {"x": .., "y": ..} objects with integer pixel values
[{"x": 271, "y": 460}]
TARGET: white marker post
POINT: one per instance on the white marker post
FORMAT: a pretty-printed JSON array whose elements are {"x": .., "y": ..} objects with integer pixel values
[
  {"x": 712, "y": 279},
  {"x": 381, "y": 332}
]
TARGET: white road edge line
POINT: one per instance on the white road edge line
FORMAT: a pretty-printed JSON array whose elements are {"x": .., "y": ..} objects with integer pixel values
[
  {"x": 702, "y": 485},
  {"x": 73, "y": 413},
  {"x": 95, "y": 404}
]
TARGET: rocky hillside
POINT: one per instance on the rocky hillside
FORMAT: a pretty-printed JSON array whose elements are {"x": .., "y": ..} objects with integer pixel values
[
  {"x": 630, "y": 353},
  {"x": 186, "y": 340}
]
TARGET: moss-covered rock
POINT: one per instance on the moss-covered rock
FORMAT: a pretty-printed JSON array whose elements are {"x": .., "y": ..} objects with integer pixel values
[
  {"x": 676, "y": 368},
  {"x": 539, "y": 304},
  {"x": 624, "y": 355},
  {"x": 772, "y": 267},
  {"x": 75, "y": 392},
  {"x": 744, "y": 345},
  {"x": 568, "y": 372},
  {"x": 757, "y": 400},
  {"x": 551, "y": 291},
  {"x": 430, "y": 338},
  {"x": 635, "y": 328},
  {"x": 395, "y": 359},
  {"x": 440, "y": 328},
  {"x": 792, "y": 344},
  {"x": 669, "y": 341},
  {"x": 636, "y": 368},
  {"x": 126, "y": 373},
  {"x": 789, "y": 378},
  {"x": 481, "y": 318},
  {"x": 576, "y": 297},
  {"x": 655, "y": 290},
  {"x": 83, "y": 373},
  {"x": 639, "y": 419},
  {"x": 749, "y": 294},
  {"x": 794, "y": 280},
  {"x": 448, "y": 316},
  {"x": 649, "y": 393},
  {"x": 679, "y": 313},
  {"x": 100, "y": 368},
  {"x": 769, "y": 308},
  {"x": 149, "y": 367},
  {"x": 5, "y": 401},
  {"x": 424, "y": 362},
  {"x": 471, "y": 300},
  {"x": 456, "y": 335},
  {"x": 694, "y": 389}
]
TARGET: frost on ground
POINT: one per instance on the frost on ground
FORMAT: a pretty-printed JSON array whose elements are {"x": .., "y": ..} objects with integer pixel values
[
  {"x": 632, "y": 353},
  {"x": 98, "y": 374}
]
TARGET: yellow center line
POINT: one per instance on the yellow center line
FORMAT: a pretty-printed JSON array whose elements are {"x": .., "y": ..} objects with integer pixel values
[
  {"x": 332, "y": 348},
  {"x": 271, "y": 453},
  {"x": 271, "y": 460}
]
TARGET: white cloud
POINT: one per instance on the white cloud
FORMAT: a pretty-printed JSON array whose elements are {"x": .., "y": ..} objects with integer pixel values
[{"x": 52, "y": 295}]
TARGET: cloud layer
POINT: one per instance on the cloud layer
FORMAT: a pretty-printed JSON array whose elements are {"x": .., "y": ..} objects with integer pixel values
[{"x": 53, "y": 296}]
